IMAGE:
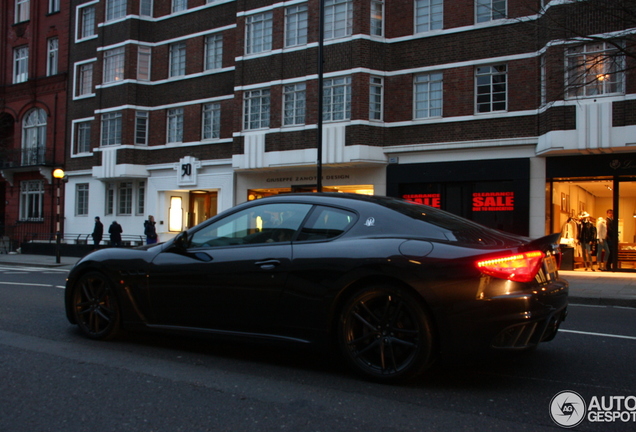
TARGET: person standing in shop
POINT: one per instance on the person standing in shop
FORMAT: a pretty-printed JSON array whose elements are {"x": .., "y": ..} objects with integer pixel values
[
  {"x": 587, "y": 238},
  {"x": 602, "y": 251},
  {"x": 609, "y": 220}
]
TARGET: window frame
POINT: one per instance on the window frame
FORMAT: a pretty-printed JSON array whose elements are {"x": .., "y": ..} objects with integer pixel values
[
  {"x": 492, "y": 83},
  {"x": 214, "y": 51},
  {"x": 82, "y": 191},
  {"x": 296, "y": 25},
  {"x": 424, "y": 84},
  {"x": 53, "y": 55},
  {"x": 177, "y": 60},
  {"x": 211, "y": 121},
  {"x": 174, "y": 125},
  {"x": 432, "y": 19},
  {"x": 111, "y": 129},
  {"x": 329, "y": 99},
  {"x": 22, "y": 11},
  {"x": 20, "y": 64},
  {"x": 256, "y": 102},
  {"x": 488, "y": 10},
  {"x": 82, "y": 130},
  {"x": 144, "y": 63},
  {"x": 114, "y": 65},
  {"x": 115, "y": 10},
  {"x": 31, "y": 201},
  {"x": 142, "y": 122},
  {"x": 376, "y": 91},
  {"x": 54, "y": 6},
  {"x": 294, "y": 105},
  {"x": 259, "y": 32},
  {"x": 86, "y": 27},
  {"x": 338, "y": 23},
  {"x": 608, "y": 66}
]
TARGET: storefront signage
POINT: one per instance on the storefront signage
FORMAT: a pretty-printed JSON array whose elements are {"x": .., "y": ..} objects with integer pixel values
[
  {"x": 187, "y": 169},
  {"x": 305, "y": 179},
  {"x": 493, "y": 201},
  {"x": 433, "y": 200}
]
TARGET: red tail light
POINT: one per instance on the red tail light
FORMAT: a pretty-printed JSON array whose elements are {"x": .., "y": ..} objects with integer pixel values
[{"x": 521, "y": 267}]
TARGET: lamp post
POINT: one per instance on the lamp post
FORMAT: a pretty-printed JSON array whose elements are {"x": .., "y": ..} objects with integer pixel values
[{"x": 58, "y": 174}]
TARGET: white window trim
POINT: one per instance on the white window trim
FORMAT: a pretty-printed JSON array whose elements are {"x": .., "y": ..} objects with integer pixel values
[
  {"x": 74, "y": 124},
  {"x": 79, "y": 22},
  {"x": 76, "y": 68}
]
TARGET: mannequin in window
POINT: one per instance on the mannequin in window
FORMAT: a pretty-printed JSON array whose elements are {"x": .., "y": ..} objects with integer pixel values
[
  {"x": 602, "y": 249},
  {"x": 587, "y": 238}
]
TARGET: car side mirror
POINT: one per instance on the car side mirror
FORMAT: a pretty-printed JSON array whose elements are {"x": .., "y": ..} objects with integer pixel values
[{"x": 181, "y": 241}]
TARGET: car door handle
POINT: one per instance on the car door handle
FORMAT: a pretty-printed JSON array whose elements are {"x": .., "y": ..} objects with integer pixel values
[{"x": 269, "y": 264}]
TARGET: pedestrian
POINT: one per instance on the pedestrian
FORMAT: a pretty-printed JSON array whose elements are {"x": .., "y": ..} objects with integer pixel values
[
  {"x": 98, "y": 233},
  {"x": 150, "y": 231},
  {"x": 115, "y": 234}
]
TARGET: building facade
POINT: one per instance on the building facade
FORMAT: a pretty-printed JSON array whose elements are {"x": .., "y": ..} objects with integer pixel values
[
  {"x": 517, "y": 114},
  {"x": 33, "y": 80}
]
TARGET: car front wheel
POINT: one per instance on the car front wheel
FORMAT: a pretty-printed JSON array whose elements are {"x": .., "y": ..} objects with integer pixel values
[
  {"x": 385, "y": 334},
  {"x": 95, "y": 306}
]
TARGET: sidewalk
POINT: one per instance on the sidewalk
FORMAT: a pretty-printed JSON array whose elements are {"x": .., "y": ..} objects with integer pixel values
[{"x": 596, "y": 288}]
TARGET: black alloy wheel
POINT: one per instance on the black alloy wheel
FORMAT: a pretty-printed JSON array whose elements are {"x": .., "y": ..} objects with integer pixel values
[
  {"x": 95, "y": 307},
  {"x": 385, "y": 334}
]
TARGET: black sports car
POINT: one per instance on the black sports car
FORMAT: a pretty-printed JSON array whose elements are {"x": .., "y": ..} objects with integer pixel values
[{"x": 390, "y": 282}]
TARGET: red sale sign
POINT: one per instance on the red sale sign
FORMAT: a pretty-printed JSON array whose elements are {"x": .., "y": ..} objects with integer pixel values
[{"x": 493, "y": 201}]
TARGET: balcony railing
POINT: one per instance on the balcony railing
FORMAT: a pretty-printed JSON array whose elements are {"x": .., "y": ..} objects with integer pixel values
[{"x": 25, "y": 157}]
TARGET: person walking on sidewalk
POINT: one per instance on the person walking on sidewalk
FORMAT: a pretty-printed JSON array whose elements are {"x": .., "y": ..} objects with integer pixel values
[
  {"x": 115, "y": 231},
  {"x": 98, "y": 232}
]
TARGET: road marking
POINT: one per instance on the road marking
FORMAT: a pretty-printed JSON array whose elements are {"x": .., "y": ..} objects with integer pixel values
[
  {"x": 26, "y": 284},
  {"x": 598, "y": 334}
]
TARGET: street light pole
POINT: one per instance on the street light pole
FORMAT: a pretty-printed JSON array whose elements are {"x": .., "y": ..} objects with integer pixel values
[
  {"x": 321, "y": 44},
  {"x": 58, "y": 174}
]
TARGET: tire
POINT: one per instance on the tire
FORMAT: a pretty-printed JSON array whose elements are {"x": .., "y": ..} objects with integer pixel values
[
  {"x": 95, "y": 307},
  {"x": 385, "y": 334}
]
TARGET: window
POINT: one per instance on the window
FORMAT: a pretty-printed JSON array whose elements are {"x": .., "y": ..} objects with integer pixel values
[
  {"x": 31, "y": 200},
  {"x": 177, "y": 59},
  {"x": 34, "y": 137},
  {"x": 337, "y": 99},
  {"x": 141, "y": 127},
  {"x": 429, "y": 15},
  {"x": 82, "y": 137},
  {"x": 20, "y": 64},
  {"x": 377, "y": 17},
  {"x": 491, "y": 88},
  {"x": 81, "y": 199},
  {"x": 110, "y": 199},
  {"x": 488, "y": 10},
  {"x": 141, "y": 198},
  {"x": 267, "y": 223},
  {"x": 325, "y": 223},
  {"x": 125, "y": 198},
  {"x": 427, "y": 95},
  {"x": 375, "y": 98},
  {"x": 84, "y": 79},
  {"x": 179, "y": 5},
  {"x": 214, "y": 52},
  {"x": 338, "y": 18},
  {"x": 175, "y": 125},
  {"x": 594, "y": 69},
  {"x": 52, "y": 57},
  {"x": 86, "y": 19},
  {"x": 296, "y": 25},
  {"x": 111, "y": 128},
  {"x": 22, "y": 10},
  {"x": 145, "y": 8},
  {"x": 256, "y": 109},
  {"x": 114, "y": 65},
  {"x": 544, "y": 80},
  {"x": 211, "y": 121},
  {"x": 294, "y": 99},
  {"x": 144, "y": 55},
  {"x": 258, "y": 33},
  {"x": 115, "y": 9},
  {"x": 54, "y": 6}
]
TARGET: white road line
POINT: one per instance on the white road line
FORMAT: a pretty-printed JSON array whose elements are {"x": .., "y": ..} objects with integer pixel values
[
  {"x": 598, "y": 334},
  {"x": 26, "y": 284}
]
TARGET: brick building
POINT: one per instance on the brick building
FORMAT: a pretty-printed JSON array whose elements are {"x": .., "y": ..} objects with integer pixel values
[
  {"x": 497, "y": 110},
  {"x": 33, "y": 80}
]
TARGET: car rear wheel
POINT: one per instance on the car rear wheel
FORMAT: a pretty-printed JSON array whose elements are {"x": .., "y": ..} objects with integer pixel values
[
  {"x": 95, "y": 306},
  {"x": 385, "y": 334}
]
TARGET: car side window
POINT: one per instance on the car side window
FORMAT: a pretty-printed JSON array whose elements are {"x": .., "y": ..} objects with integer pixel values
[
  {"x": 325, "y": 223},
  {"x": 267, "y": 223}
]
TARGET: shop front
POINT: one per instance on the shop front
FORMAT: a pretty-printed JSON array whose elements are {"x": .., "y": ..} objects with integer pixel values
[
  {"x": 494, "y": 193},
  {"x": 261, "y": 183},
  {"x": 594, "y": 191}
]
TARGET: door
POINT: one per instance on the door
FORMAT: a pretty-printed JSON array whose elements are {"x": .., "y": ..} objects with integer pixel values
[
  {"x": 232, "y": 274},
  {"x": 203, "y": 205}
]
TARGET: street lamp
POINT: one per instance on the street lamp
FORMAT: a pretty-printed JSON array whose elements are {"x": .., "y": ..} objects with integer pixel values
[{"x": 58, "y": 174}]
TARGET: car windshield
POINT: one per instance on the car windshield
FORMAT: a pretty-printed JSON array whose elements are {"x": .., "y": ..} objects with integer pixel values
[{"x": 452, "y": 227}]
